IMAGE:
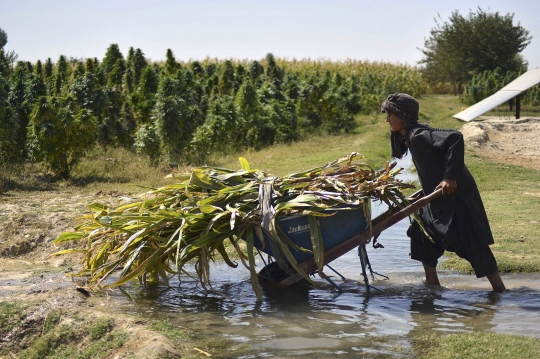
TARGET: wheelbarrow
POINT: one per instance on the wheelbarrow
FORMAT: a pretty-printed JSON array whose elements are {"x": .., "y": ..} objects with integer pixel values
[{"x": 342, "y": 232}]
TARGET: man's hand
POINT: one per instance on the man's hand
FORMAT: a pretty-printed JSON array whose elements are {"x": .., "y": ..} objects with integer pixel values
[{"x": 448, "y": 186}]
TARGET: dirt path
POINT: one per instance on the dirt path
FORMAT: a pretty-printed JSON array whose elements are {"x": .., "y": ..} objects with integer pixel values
[{"x": 509, "y": 141}]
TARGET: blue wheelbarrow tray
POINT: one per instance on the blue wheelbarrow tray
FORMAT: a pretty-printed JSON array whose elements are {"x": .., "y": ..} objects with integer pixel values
[{"x": 335, "y": 229}]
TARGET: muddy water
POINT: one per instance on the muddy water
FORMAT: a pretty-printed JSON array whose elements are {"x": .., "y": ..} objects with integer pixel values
[
  {"x": 318, "y": 322},
  {"x": 307, "y": 321}
]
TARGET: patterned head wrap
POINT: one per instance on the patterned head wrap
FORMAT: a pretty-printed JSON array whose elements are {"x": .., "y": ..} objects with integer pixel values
[{"x": 403, "y": 106}]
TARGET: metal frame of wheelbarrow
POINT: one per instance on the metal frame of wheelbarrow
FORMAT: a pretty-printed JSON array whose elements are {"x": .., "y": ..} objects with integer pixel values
[{"x": 382, "y": 222}]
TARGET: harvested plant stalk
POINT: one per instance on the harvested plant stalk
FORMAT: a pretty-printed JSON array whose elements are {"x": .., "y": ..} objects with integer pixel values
[{"x": 210, "y": 208}]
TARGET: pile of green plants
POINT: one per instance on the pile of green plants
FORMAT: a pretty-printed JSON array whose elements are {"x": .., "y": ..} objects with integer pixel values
[{"x": 209, "y": 209}]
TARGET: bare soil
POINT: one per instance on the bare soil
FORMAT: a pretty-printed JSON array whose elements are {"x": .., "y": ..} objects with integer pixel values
[
  {"x": 511, "y": 141},
  {"x": 30, "y": 221}
]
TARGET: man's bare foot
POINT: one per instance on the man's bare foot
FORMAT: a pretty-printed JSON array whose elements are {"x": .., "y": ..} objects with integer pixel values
[
  {"x": 496, "y": 282},
  {"x": 431, "y": 275}
]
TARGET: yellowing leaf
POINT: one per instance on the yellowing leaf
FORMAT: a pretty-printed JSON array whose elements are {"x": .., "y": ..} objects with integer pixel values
[{"x": 244, "y": 163}]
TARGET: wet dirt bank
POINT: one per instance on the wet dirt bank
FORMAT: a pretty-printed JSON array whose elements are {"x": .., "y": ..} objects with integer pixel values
[{"x": 38, "y": 296}]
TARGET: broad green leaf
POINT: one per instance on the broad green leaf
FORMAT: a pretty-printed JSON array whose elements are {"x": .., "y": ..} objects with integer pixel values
[
  {"x": 144, "y": 267},
  {"x": 225, "y": 256},
  {"x": 200, "y": 179}
]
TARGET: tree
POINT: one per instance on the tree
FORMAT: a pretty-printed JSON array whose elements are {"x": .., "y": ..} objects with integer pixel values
[
  {"x": 170, "y": 116},
  {"x": 48, "y": 68},
  {"x": 17, "y": 102},
  {"x": 143, "y": 99},
  {"x": 137, "y": 63},
  {"x": 114, "y": 65},
  {"x": 9, "y": 127},
  {"x": 226, "y": 79},
  {"x": 3, "y": 38},
  {"x": 61, "y": 75},
  {"x": 7, "y": 58},
  {"x": 147, "y": 143},
  {"x": 464, "y": 46}
]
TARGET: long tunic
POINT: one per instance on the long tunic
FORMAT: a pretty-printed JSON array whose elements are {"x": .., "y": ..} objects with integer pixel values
[{"x": 439, "y": 154}]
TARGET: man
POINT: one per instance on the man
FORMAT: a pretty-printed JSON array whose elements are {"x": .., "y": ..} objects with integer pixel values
[{"x": 456, "y": 221}]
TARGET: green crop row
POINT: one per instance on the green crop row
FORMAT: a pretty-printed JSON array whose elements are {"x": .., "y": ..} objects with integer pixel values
[{"x": 181, "y": 111}]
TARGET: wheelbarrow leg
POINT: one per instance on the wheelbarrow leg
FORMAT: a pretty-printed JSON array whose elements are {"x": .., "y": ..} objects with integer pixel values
[
  {"x": 364, "y": 262},
  {"x": 371, "y": 271},
  {"x": 333, "y": 283},
  {"x": 335, "y": 271},
  {"x": 329, "y": 280}
]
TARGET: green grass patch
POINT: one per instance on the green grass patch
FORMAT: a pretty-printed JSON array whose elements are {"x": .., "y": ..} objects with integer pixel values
[
  {"x": 168, "y": 329},
  {"x": 54, "y": 344},
  {"x": 104, "y": 346},
  {"x": 437, "y": 111},
  {"x": 472, "y": 345},
  {"x": 11, "y": 315},
  {"x": 369, "y": 139},
  {"x": 62, "y": 336},
  {"x": 511, "y": 196},
  {"x": 101, "y": 327},
  {"x": 102, "y": 170}
]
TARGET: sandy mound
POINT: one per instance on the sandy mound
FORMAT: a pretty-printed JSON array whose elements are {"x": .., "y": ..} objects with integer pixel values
[{"x": 510, "y": 141}]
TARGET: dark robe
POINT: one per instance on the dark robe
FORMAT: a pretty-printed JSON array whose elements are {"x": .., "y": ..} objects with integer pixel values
[{"x": 439, "y": 154}]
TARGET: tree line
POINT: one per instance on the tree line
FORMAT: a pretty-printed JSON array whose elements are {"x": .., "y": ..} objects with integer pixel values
[
  {"x": 465, "y": 46},
  {"x": 54, "y": 112}
]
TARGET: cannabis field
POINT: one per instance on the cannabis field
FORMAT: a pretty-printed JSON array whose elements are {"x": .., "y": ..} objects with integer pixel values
[{"x": 55, "y": 112}]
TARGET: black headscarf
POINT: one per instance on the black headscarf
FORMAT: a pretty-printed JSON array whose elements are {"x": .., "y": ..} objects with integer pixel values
[{"x": 405, "y": 107}]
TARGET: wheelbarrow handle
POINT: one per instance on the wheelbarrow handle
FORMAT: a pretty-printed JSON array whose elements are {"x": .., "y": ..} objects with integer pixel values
[{"x": 379, "y": 224}]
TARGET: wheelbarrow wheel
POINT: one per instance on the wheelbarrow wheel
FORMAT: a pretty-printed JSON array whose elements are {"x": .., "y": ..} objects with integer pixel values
[{"x": 272, "y": 273}]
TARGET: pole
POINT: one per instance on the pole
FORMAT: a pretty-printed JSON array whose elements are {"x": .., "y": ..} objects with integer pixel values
[{"x": 518, "y": 106}]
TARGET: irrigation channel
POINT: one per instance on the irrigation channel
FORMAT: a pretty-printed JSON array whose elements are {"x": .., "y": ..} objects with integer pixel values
[{"x": 316, "y": 322}]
